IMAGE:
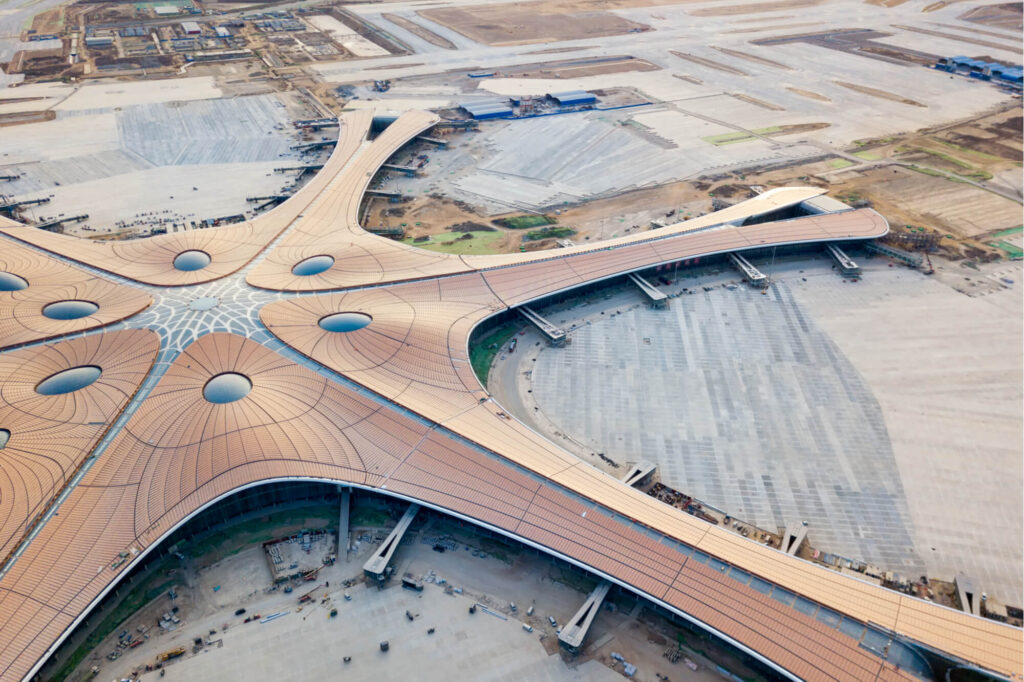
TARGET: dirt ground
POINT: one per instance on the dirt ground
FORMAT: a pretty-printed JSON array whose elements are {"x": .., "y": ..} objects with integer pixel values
[
  {"x": 50, "y": 21},
  {"x": 766, "y": 105},
  {"x": 582, "y": 70},
  {"x": 907, "y": 197},
  {"x": 709, "y": 63},
  {"x": 515, "y": 24},
  {"x": 1007, "y": 15},
  {"x": 809, "y": 95},
  {"x": 426, "y": 216},
  {"x": 753, "y": 8},
  {"x": 754, "y": 58},
  {"x": 209, "y": 588},
  {"x": 911, "y": 179},
  {"x": 875, "y": 92}
]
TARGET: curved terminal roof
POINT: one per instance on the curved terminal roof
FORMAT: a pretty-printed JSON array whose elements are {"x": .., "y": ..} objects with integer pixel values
[
  {"x": 50, "y": 281},
  {"x": 151, "y": 260},
  {"x": 407, "y": 417},
  {"x": 50, "y": 436}
]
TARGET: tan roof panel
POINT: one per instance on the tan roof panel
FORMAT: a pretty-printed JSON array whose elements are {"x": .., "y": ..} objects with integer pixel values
[
  {"x": 179, "y": 452},
  {"x": 418, "y": 324},
  {"x": 50, "y": 436},
  {"x": 48, "y": 281},
  {"x": 151, "y": 260}
]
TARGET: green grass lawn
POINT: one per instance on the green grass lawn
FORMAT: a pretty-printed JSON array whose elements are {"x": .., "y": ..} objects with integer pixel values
[
  {"x": 1007, "y": 233},
  {"x": 524, "y": 222},
  {"x": 481, "y": 352},
  {"x": 959, "y": 163},
  {"x": 482, "y": 243},
  {"x": 1012, "y": 250},
  {"x": 549, "y": 233},
  {"x": 868, "y": 156},
  {"x": 840, "y": 163}
]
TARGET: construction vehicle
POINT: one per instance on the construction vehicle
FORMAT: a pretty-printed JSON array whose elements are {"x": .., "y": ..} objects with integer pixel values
[
  {"x": 172, "y": 654},
  {"x": 308, "y": 596}
]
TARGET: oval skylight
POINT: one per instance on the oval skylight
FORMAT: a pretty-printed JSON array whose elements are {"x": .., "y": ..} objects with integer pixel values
[
  {"x": 69, "y": 310},
  {"x": 227, "y": 388},
  {"x": 11, "y": 282},
  {"x": 344, "y": 322},
  {"x": 313, "y": 265},
  {"x": 69, "y": 380},
  {"x": 187, "y": 261}
]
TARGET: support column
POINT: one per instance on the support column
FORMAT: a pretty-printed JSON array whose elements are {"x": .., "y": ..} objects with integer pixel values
[{"x": 344, "y": 542}]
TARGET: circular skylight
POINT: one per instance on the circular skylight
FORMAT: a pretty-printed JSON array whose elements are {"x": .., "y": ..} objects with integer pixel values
[
  {"x": 11, "y": 282},
  {"x": 187, "y": 261},
  {"x": 227, "y": 388},
  {"x": 69, "y": 380},
  {"x": 313, "y": 265},
  {"x": 344, "y": 322},
  {"x": 69, "y": 310}
]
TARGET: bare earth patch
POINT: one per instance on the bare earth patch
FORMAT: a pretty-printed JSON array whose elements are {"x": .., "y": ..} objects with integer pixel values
[
  {"x": 709, "y": 63},
  {"x": 753, "y": 8},
  {"x": 882, "y": 94},
  {"x": 809, "y": 95},
  {"x": 753, "y": 58},
  {"x": 756, "y": 102},
  {"x": 514, "y": 24}
]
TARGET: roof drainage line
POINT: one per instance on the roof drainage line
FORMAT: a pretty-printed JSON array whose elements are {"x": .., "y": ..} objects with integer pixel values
[
  {"x": 476, "y": 522},
  {"x": 161, "y": 363}
]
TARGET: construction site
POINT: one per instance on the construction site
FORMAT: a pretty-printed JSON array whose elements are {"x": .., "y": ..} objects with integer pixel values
[{"x": 459, "y": 598}]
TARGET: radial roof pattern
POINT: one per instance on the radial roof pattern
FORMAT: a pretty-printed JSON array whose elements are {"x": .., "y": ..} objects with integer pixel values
[
  {"x": 50, "y": 281},
  {"x": 392, "y": 405},
  {"x": 50, "y": 436}
]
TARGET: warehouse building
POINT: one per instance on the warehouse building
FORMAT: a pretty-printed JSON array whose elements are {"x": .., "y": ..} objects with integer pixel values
[
  {"x": 487, "y": 109},
  {"x": 572, "y": 98}
]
